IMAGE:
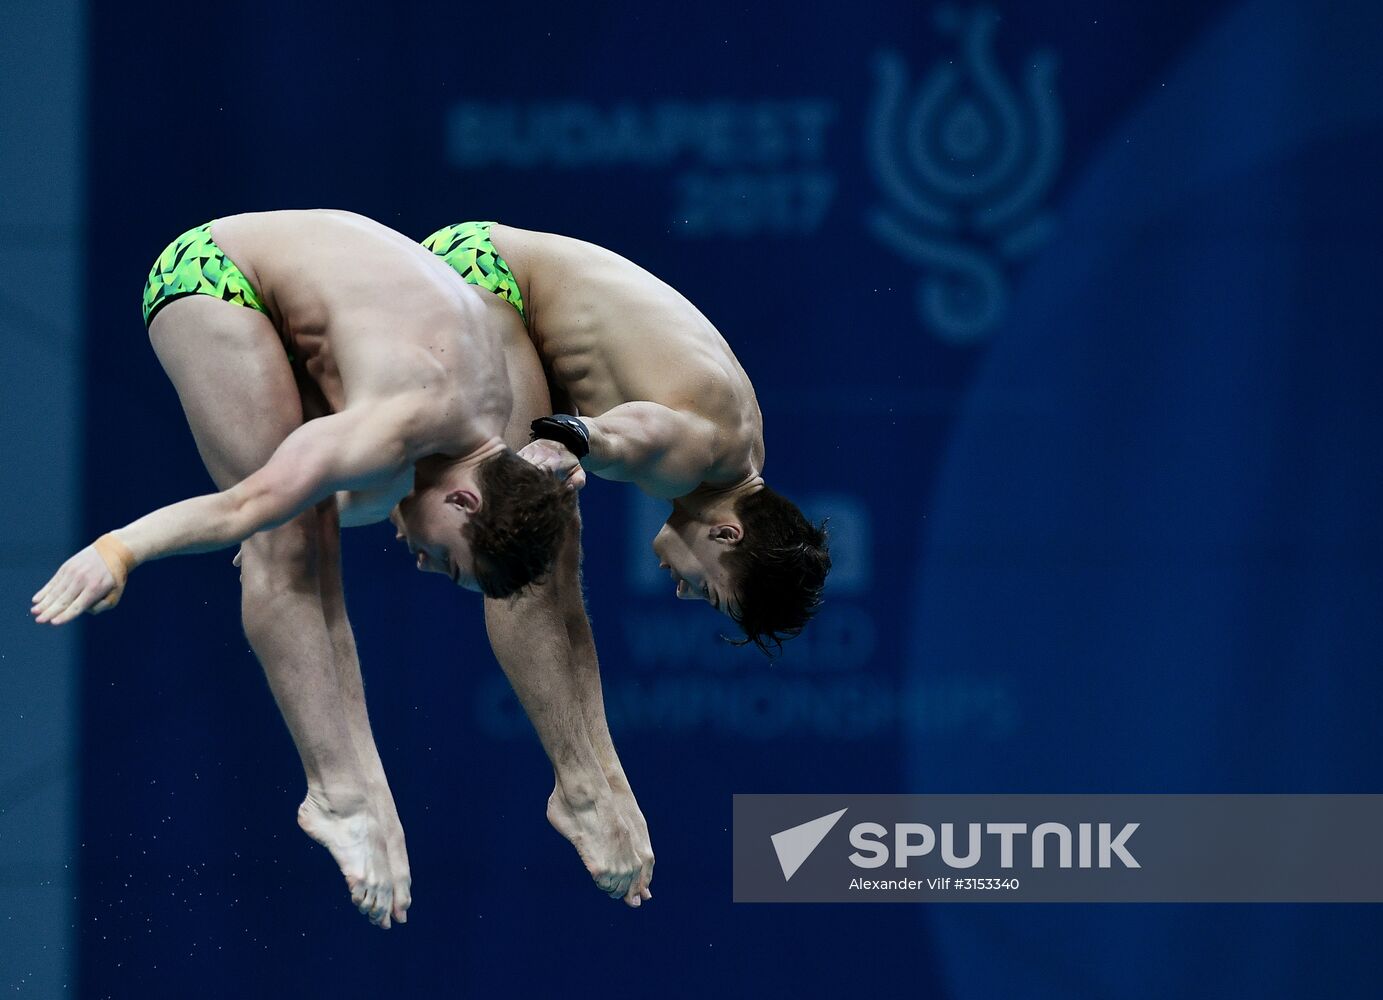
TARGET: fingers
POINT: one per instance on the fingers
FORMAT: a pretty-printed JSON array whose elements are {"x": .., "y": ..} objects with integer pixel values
[
  {"x": 49, "y": 591},
  {"x": 81, "y": 582},
  {"x": 79, "y": 604},
  {"x": 68, "y": 589},
  {"x": 74, "y": 599},
  {"x": 46, "y": 588}
]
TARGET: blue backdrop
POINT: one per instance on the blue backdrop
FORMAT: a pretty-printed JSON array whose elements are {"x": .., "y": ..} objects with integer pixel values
[{"x": 1064, "y": 312}]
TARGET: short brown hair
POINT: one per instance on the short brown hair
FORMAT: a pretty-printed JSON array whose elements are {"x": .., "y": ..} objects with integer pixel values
[
  {"x": 523, "y": 516},
  {"x": 779, "y": 568}
]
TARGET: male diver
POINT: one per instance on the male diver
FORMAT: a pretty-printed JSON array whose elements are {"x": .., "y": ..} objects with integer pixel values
[
  {"x": 261, "y": 321},
  {"x": 664, "y": 404}
]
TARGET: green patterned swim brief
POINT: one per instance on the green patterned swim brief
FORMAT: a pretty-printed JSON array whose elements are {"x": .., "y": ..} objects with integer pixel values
[
  {"x": 467, "y": 248},
  {"x": 194, "y": 265}
]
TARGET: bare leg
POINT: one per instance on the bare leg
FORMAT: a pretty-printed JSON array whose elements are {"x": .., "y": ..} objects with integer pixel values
[
  {"x": 352, "y": 691},
  {"x": 585, "y": 667},
  {"x": 238, "y": 392},
  {"x": 532, "y": 641}
]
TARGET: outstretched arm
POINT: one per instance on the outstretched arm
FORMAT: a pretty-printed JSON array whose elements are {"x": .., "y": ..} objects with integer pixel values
[{"x": 354, "y": 449}]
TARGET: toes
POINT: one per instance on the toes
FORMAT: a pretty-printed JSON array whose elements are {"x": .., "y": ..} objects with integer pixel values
[
  {"x": 374, "y": 901},
  {"x": 612, "y": 885},
  {"x": 384, "y": 903}
]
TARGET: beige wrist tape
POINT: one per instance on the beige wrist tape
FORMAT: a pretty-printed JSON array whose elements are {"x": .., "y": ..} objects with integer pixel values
[{"x": 119, "y": 560}]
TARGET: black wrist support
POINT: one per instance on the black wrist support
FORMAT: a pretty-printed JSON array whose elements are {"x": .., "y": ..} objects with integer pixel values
[{"x": 563, "y": 429}]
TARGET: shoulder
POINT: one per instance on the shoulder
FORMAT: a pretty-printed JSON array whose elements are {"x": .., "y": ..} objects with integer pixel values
[{"x": 403, "y": 422}]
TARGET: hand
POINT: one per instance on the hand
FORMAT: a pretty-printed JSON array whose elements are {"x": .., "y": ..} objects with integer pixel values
[
  {"x": 556, "y": 458},
  {"x": 83, "y": 583}
]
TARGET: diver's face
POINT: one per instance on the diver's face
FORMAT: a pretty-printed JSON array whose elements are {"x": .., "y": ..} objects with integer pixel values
[
  {"x": 431, "y": 525},
  {"x": 693, "y": 552}
]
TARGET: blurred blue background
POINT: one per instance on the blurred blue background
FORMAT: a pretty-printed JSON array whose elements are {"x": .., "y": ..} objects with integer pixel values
[{"x": 1065, "y": 313}]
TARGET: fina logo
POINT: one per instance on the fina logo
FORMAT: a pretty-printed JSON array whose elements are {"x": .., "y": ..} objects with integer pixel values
[{"x": 964, "y": 168}]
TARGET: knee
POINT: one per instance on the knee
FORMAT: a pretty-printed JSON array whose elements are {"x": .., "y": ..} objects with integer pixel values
[{"x": 281, "y": 561}]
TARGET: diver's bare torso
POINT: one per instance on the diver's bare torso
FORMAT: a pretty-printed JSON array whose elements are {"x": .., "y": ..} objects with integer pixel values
[
  {"x": 608, "y": 332},
  {"x": 369, "y": 315}
]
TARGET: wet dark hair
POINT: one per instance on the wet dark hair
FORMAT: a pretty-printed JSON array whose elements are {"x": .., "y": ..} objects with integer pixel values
[
  {"x": 779, "y": 568},
  {"x": 514, "y": 537}
]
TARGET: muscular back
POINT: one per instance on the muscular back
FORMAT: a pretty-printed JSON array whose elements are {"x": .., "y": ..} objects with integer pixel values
[
  {"x": 609, "y": 332},
  {"x": 369, "y": 315}
]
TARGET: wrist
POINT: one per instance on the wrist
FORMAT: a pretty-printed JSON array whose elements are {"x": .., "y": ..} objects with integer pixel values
[
  {"x": 566, "y": 430},
  {"x": 117, "y": 556},
  {"x": 597, "y": 446}
]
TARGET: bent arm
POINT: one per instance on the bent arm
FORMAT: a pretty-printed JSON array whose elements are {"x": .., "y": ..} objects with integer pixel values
[{"x": 664, "y": 451}]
